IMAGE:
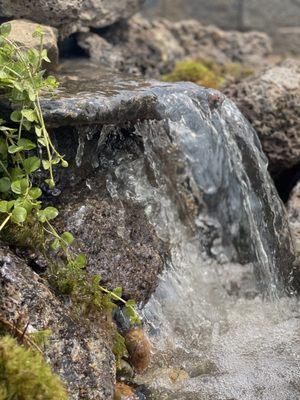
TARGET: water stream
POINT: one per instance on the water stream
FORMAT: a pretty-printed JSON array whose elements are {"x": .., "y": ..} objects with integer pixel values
[{"x": 223, "y": 321}]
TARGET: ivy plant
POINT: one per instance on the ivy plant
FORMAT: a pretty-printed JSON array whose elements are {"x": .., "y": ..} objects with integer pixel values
[{"x": 26, "y": 148}]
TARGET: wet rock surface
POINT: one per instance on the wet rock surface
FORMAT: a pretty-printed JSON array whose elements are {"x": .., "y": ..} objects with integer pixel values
[
  {"x": 151, "y": 48},
  {"x": 121, "y": 245},
  {"x": 271, "y": 102},
  {"x": 209, "y": 195},
  {"x": 76, "y": 351}
]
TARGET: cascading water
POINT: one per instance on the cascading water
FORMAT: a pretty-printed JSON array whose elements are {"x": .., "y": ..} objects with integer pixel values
[
  {"x": 213, "y": 334},
  {"x": 223, "y": 322}
]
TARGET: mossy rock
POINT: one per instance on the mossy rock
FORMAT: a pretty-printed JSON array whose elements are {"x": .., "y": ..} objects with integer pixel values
[
  {"x": 24, "y": 375},
  {"x": 207, "y": 73}
]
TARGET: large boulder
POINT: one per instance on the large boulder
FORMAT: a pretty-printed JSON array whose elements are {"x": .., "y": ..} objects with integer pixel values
[
  {"x": 77, "y": 352},
  {"x": 271, "y": 102}
]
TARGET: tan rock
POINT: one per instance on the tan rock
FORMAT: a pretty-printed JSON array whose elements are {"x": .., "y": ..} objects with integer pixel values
[{"x": 21, "y": 33}]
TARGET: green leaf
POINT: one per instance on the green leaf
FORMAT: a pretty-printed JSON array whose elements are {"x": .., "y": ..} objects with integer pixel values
[
  {"x": 50, "y": 183},
  {"x": 35, "y": 193},
  {"x": 4, "y": 185},
  {"x": 46, "y": 164},
  {"x": 80, "y": 260},
  {"x": 50, "y": 212},
  {"x": 29, "y": 114},
  {"x": 16, "y": 116},
  {"x": 5, "y": 29},
  {"x": 64, "y": 164},
  {"x": 41, "y": 216},
  {"x": 16, "y": 174},
  {"x": 38, "y": 131},
  {"x": 3, "y": 206},
  {"x": 118, "y": 291},
  {"x": 38, "y": 33},
  {"x": 14, "y": 149},
  {"x": 55, "y": 245},
  {"x": 31, "y": 164},
  {"x": 67, "y": 237},
  {"x": 20, "y": 186},
  {"x": 26, "y": 144},
  {"x": 19, "y": 215}
]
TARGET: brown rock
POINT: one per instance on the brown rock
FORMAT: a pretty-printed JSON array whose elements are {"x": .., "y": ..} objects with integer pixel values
[
  {"x": 139, "y": 348},
  {"x": 124, "y": 392},
  {"x": 271, "y": 102}
]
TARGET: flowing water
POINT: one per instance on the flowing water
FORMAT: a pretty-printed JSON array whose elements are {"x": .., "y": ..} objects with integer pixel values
[
  {"x": 215, "y": 335},
  {"x": 223, "y": 322}
]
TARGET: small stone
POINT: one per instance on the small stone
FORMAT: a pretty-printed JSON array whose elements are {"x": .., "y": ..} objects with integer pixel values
[
  {"x": 139, "y": 349},
  {"x": 124, "y": 392},
  {"x": 21, "y": 34}
]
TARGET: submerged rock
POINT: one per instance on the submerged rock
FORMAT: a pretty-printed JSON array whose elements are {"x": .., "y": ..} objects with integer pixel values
[
  {"x": 77, "y": 351},
  {"x": 271, "y": 102}
]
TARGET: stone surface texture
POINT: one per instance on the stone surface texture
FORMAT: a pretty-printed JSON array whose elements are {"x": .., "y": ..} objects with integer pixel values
[
  {"x": 21, "y": 34},
  {"x": 152, "y": 48},
  {"x": 264, "y": 15},
  {"x": 72, "y": 15},
  {"x": 271, "y": 102},
  {"x": 76, "y": 351}
]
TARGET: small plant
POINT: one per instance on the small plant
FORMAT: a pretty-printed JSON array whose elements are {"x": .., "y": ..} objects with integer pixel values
[
  {"x": 25, "y": 148},
  {"x": 207, "y": 73},
  {"x": 24, "y": 375}
]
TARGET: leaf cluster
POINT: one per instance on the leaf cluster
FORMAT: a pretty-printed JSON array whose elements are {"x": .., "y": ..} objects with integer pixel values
[{"x": 25, "y": 148}]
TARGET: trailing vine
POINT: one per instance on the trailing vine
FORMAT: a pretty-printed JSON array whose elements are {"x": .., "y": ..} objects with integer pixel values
[{"x": 25, "y": 149}]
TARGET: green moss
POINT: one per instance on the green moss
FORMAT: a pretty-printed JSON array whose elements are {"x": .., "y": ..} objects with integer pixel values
[
  {"x": 207, "y": 73},
  {"x": 24, "y": 375}
]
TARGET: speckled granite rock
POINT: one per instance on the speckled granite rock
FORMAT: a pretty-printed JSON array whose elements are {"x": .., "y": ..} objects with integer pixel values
[
  {"x": 271, "y": 102},
  {"x": 77, "y": 352}
]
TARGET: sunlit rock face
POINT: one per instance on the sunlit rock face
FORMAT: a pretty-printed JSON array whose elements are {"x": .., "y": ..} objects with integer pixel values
[{"x": 221, "y": 315}]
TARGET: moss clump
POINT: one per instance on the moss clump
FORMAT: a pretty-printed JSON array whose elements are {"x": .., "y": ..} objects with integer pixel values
[
  {"x": 24, "y": 375},
  {"x": 207, "y": 73}
]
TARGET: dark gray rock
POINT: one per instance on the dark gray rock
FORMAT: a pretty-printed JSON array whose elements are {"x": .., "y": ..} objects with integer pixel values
[
  {"x": 271, "y": 102},
  {"x": 77, "y": 352},
  {"x": 122, "y": 247}
]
